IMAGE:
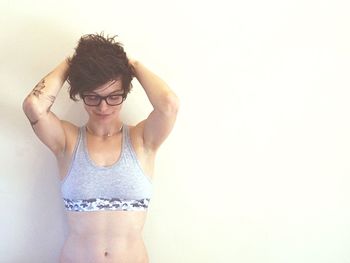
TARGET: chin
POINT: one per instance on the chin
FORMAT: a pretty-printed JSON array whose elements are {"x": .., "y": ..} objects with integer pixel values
[{"x": 100, "y": 117}]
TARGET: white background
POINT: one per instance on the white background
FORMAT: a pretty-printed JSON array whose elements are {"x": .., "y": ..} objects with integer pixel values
[{"x": 256, "y": 169}]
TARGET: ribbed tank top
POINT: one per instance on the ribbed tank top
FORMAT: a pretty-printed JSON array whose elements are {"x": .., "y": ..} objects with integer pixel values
[{"x": 120, "y": 186}]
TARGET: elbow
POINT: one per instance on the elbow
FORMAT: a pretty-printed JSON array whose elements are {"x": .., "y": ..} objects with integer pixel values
[
  {"x": 27, "y": 104},
  {"x": 175, "y": 102},
  {"x": 31, "y": 108},
  {"x": 28, "y": 108},
  {"x": 171, "y": 103}
]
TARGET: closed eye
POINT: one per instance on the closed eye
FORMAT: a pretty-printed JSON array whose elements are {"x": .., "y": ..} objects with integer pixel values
[
  {"x": 92, "y": 97},
  {"x": 113, "y": 97}
]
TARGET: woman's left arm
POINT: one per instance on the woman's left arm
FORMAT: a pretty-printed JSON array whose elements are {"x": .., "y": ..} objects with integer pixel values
[{"x": 157, "y": 126}]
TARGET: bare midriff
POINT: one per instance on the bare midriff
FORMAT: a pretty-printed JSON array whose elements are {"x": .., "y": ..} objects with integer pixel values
[{"x": 105, "y": 237}]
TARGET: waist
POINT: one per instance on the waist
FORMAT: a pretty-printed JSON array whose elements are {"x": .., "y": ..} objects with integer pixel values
[
  {"x": 103, "y": 239},
  {"x": 104, "y": 248},
  {"x": 106, "y": 224}
]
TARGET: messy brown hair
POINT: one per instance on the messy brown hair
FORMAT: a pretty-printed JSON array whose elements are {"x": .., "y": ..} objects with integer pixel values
[{"x": 97, "y": 60}]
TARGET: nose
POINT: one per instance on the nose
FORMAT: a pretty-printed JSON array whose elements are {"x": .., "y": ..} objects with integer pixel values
[{"x": 103, "y": 106}]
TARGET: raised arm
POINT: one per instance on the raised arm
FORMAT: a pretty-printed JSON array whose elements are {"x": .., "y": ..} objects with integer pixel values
[
  {"x": 158, "y": 125},
  {"x": 37, "y": 104}
]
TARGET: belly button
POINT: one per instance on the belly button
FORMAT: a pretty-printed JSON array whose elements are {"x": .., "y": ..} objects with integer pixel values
[{"x": 106, "y": 253}]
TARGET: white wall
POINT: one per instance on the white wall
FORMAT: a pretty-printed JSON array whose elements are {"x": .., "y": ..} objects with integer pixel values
[{"x": 257, "y": 166}]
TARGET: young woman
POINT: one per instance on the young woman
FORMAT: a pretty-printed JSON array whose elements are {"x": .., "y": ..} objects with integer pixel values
[{"x": 105, "y": 166}]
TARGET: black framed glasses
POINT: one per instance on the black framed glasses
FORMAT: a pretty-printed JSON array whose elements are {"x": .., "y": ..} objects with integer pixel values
[{"x": 95, "y": 100}]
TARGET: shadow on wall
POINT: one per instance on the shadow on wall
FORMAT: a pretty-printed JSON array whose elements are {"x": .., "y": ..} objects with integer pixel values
[{"x": 36, "y": 225}]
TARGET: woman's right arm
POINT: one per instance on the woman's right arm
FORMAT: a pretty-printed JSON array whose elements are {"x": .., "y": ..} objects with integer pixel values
[{"x": 37, "y": 104}]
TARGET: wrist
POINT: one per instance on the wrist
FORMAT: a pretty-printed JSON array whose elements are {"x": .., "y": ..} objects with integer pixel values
[
  {"x": 133, "y": 65},
  {"x": 132, "y": 62}
]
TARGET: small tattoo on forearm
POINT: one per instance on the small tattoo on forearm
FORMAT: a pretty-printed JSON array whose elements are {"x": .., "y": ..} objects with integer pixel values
[{"x": 37, "y": 91}]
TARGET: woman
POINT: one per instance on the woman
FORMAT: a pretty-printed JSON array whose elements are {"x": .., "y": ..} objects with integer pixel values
[{"x": 105, "y": 165}]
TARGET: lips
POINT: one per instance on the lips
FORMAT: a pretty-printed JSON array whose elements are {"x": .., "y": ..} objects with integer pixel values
[{"x": 102, "y": 115}]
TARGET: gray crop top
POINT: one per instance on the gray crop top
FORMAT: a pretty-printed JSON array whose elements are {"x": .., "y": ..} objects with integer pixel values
[{"x": 120, "y": 186}]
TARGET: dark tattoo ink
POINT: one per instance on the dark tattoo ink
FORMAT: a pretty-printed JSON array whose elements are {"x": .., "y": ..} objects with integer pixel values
[
  {"x": 49, "y": 108},
  {"x": 37, "y": 91},
  {"x": 51, "y": 99}
]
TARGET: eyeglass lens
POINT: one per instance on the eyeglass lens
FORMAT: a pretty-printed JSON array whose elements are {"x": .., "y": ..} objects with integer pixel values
[{"x": 94, "y": 100}]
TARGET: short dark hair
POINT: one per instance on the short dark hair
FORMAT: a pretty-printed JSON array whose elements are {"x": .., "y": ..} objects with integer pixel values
[{"x": 97, "y": 60}]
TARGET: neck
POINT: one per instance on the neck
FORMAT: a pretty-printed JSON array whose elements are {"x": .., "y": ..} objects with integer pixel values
[{"x": 104, "y": 130}]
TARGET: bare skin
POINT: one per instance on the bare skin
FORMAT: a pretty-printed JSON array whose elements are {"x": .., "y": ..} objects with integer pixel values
[{"x": 105, "y": 236}]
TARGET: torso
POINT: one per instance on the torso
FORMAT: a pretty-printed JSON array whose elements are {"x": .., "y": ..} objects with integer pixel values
[{"x": 105, "y": 236}]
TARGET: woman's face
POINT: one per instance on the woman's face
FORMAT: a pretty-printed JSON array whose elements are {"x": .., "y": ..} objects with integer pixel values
[{"x": 104, "y": 112}]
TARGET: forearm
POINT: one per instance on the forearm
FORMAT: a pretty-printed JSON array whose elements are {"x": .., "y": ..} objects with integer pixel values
[
  {"x": 158, "y": 92},
  {"x": 43, "y": 95}
]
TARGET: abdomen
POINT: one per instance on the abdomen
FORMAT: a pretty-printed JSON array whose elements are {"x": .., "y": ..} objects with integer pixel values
[{"x": 95, "y": 249}]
